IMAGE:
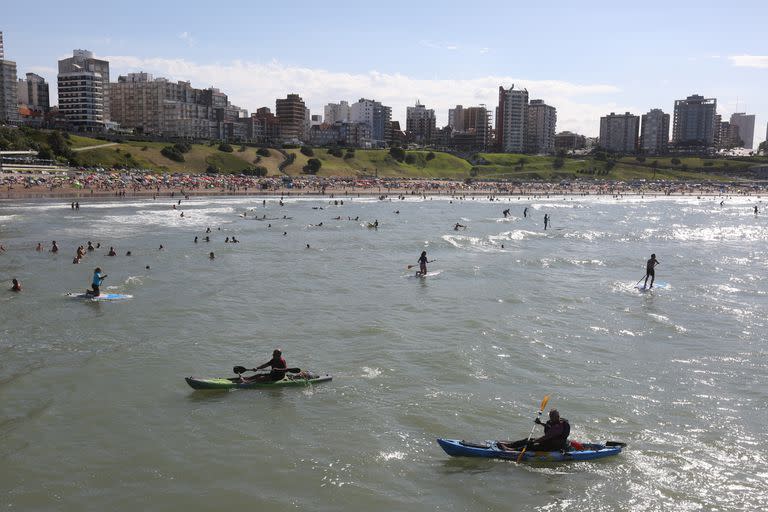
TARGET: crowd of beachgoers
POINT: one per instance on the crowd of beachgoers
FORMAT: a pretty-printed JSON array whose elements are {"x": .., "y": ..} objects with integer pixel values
[{"x": 142, "y": 183}]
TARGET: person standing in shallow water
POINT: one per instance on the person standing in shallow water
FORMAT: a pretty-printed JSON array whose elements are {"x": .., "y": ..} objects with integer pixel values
[{"x": 546, "y": 221}]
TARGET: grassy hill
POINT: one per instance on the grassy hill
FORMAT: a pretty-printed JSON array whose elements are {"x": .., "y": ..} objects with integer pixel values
[{"x": 368, "y": 162}]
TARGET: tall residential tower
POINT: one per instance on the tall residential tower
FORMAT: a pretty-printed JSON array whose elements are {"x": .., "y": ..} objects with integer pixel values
[
  {"x": 84, "y": 91},
  {"x": 511, "y": 119}
]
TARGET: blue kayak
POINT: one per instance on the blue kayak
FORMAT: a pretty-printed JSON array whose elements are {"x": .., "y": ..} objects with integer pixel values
[{"x": 491, "y": 450}]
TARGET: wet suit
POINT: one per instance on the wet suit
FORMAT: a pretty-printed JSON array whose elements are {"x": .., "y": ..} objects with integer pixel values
[{"x": 650, "y": 271}]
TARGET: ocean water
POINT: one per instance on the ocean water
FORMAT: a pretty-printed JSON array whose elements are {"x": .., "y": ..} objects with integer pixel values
[{"x": 95, "y": 413}]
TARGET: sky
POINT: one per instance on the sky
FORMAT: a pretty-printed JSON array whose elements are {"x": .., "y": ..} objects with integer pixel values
[{"x": 585, "y": 58}]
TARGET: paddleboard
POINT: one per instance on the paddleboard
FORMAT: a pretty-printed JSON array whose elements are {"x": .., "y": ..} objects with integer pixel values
[
  {"x": 102, "y": 297},
  {"x": 428, "y": 274},
  {"x": 662, "y": 285}
]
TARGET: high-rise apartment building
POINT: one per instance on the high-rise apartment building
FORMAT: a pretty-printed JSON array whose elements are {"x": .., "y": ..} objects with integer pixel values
[
  {"x": 34, "y": 93},
  {"x": 336, "y": 112},
  {"x": 377, "y": 116},
  {"x": 456, "y": 117},
  {"x": 746, "y": 124},
  {"x": 157, "y": 106},
  {"x": 618, "y": 132},
  {"x": 654, "y": 134},
  {"x": 694, "y": 122},
  {"x": 470, "y": 128},
  {"x": 292, "y": 115},
  {"x": 511, "y": 119},
  {"x": 84, "y": 91},
  {"x": 9, "y": 109},
  {"x": 540, "y": 128},
  {"x": 420, "y": 123}
]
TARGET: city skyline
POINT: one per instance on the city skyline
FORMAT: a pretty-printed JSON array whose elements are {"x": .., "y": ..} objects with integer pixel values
[{"x": 439, "y": 67}]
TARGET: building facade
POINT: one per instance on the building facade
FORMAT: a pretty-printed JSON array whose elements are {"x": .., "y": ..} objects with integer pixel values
[
  {"x": 292, "y": 117},
  {"x": 619, "y": 132},
  {"x": 420, "y": 123},
  {"x": 540, "y": 128},
  {"x": 377, "y": 116},
  {"x": 746, "y": 126},
  {"x": 511, "y": 120},
  {"x": 336, "y": 112},
  {"x": 84, "y": 91},
  {"x": 34, "y": 93},
  {"x": 694, "y": 122},
  {"x": 9, "y": 99},
  {"x": 654, "y": 135},
  {"x": 568, "y": 141}
]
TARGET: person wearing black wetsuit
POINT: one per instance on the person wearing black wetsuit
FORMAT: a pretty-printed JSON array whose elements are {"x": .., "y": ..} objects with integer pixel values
[{"x": 650, "y": 270}]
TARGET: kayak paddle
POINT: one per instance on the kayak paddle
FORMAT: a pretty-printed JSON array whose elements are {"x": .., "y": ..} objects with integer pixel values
[
  {"x": 541, "y": 410},
  {"x": 242, "y": 369}
]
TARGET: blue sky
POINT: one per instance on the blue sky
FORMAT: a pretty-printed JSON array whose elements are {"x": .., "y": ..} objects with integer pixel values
[{"x": 585, "y": 58}]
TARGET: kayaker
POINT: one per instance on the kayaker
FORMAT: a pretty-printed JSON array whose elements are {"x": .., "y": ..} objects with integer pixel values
[
  {"x": 277, "y": 365},
  {"x": 96, "y": 282},
  {"x": 650, "y": 270},
  {"x": 556, "y": 431},
  {"x": 16, "y": 285}
]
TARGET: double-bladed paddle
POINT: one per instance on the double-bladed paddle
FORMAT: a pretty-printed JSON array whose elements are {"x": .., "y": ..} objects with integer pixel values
[
  {"x": 541, "y": 410},
  {"x": 242, "y": 369}
]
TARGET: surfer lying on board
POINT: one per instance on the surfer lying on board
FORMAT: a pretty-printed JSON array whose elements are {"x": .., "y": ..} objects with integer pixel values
[
  {"x": 457, "y": 226},
  {"x": 96, "y": 282},
  {"x": 650, "y": 270},
  {"x": 556, "y": 431},
  {"x": 277, "y": 364}
]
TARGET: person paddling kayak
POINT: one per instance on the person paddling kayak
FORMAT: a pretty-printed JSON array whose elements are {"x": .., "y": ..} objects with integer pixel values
[
  {"x": 556, "y": 431},
  {"x": 277, "y": 364}
]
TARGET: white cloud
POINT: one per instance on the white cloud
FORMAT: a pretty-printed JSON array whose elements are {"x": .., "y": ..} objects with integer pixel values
[
  {"x": 252, "y": 85},
  {"x": 187, "y": 38},
  {"x": 438, "y": 46},
  {"x": 749, "y": 61}
]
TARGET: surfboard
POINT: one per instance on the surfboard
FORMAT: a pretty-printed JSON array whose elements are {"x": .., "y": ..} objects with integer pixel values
[
  {"x": 428, "y": 274},
  {"x": 102, "y": 297}
]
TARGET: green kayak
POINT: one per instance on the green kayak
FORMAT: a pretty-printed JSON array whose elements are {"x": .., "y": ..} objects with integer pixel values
[{"x": 304, "y": 378}]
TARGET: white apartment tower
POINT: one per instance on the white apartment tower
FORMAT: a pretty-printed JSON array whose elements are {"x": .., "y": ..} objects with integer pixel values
[
  {"x": 9, "y": 109},
  {"x": 511, "y": 119},
  {"x": 84, "y": 91},
  {"x": 420, "y": 123},
  {"x": 337, "y": 113}
]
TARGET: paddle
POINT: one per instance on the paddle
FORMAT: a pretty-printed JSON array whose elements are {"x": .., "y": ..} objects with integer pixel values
[
  {"x": 640, "y": 280},
  {"x": 242, "y": 369},
  {"x": 541, "y": 410},
  {"x": 416, "y": 265}
]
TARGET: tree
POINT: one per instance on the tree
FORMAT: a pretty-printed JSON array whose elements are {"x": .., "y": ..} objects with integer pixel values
[
  {"x": 675, "y": 161},
  {"x": 59, "y": 145},
  {"x": 226, "y": 147},
  {"x": 45, "y": 153},
  {"x": 313, "y": 166},
  {"x": 763, "y": 147},
  {"x": 558, "y": 163},
  {"x": 263, "y": 152},
  {"x": 397, "y": 153},
  {"x": 171, "y": 153},
  {"x": 307, "y": 151},
  {"x": 430, "y": 156}
]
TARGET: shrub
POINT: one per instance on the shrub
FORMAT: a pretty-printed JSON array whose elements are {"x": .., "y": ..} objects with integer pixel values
[
  {"x": 263, "y": 152},
  {"x": 430, "y": 156},
  {"x": 675, "y": 161},
  {"x": 397, "y": 153},
  {"x": 307, "y": 151},
  {"x": 182, "y": 147},
  {"x": 640, "y": 159},
  {"x": 558, "y": 162},
  {"x": 212, "y": 169},
  {"x": 242, "y": 149},
  {"x": 172, "y": 153},
  {"x": 144, "y": 148},
  {"x": 335, "y": 152},
  {"x": 313, "y": 166},
  {"x": 348, "y": 156},
  {"x": 410, "y": 159},
  {"x": 226, "y": 147}
]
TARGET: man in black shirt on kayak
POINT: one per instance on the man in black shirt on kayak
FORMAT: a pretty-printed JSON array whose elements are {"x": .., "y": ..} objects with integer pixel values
[
  {"x": 278, "y": 366},
  {"x": 556, "y": 431}
]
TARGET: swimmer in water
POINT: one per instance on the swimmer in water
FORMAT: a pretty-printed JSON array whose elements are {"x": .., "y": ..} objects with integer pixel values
[{"x": 16, "y": 285}]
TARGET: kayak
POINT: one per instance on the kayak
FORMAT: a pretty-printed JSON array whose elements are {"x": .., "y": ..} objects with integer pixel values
[
  {"x": 491, "y": 450},
  {"x": 300, "y": 379}
]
